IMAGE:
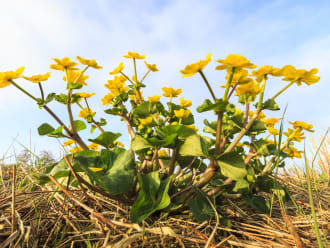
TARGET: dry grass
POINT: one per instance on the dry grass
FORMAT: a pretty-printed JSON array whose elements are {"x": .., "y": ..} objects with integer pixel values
[{"x": 46, "y": 217}]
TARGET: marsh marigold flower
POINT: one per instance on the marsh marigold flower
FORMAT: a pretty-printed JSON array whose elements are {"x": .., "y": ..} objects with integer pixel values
[
  {"x": 302, "y": 125},
  {"x": 239, "y": 77},
  {"x": 260, "y": 116},
  {"x": 293, "y": 152},
  {"x": 93, "y": 146},
  {"x": 85, "y": 112},
  {"x": 185, "y": 103},
  {"x": 298, "y": 135},
  {"x": 89, "y": 62},
  {"x": 69, "y": 143},
  {"x": 76, "y": 149},
  {"x": 266, "y": 70},
  {"x": 118, "y": 69},
  {"x": 290, "y": 73},
  {"x": 63, "y": 64},
  {"x": 145, "y": 122},
  {"x": 85, "y": 94},
  {"x": 5, "y": 77},
  {"x": 251, "y": 89},
  {"x": 38, "y": 78},
  {"x": 162, "y": 153},
  {"x": 74, "y": 76},
  {"x": 272, "y": 130},
  {"x": 170, "y": 92},
  {"x": 152, "y": 67},
  {"x": 117, "y": 85},
  {"x": 118, "y": 143},
  {"x": 108, "y": 99},
  {"x": 182, "y": 113},
  {"x": 270, "y": 122},
  {"x": 133, "y": 55},
  {"x": 193, "y": 127},
  {"x": 234, "y": 60},
  {"x": 192, "y": 69},
  {"x": 154, "y": 98}
]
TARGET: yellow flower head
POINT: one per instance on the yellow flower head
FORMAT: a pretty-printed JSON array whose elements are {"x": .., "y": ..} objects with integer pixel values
[
  {"x": 234, "y": 60},
  {"x": 95, "y": 169},
  {"x": 84, "y": 113},
  {"x": 162, "y": 153},
  {"x": 270, "y": 122},
  {"x": 133, "y": 55},
  {"x": 293, "y": 152},
  {"x": 298, "y": 136},
  {"x": 185, "y": 103},
  {"x": 118, "y": 69},
  {"x": 239, "y": 77},
  {"x": 266, "y": 70},
  {"x": 76, "y": 149},
  {"x": 154, "y": 98},
  {"x": 251, "y": 89},
  {"x": 69, "y": 142},
  {"x": 38, "y": 78},
  {"x": 63, "y": 64},
  {"x": 118, "y": 143},
  {"x": 238, "y": 111},
  {"x": 170, "y": 92},
  {"x": 193, "y": 127},
  {"x": 152, "y": 67},
  {"x": 89, "y": 62},
  {"x": 117, "y": 85},
  {"x": 74, "y": 76},
  {"x": 192, "y": 69},
  {"x": 108, "y": 99},
  {"x": 260, "y": 116},
  {"x": 5, "y": 77},
  {"x": 93, "y": 146},
  {"x": 290, "y": 73},
  {"x": 182, "y": 113},
  {"x": 273, "y": 131},
  {"x": 146, "y": 121},
  {"x": 85, "y": 94},
  {"x": 302, "y": 125}
]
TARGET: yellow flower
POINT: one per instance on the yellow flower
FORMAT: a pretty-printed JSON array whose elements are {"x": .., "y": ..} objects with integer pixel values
[
  {"x": 270, "y": 122},
  {"x": 185, "y": 103},
  {"x": 146, "y": 121},
  {"x": 239, "y": 77},
  {"x": 182, "y": 113},
  {"x": 273, "y": 131},
  {"x": 89, "y": 62},
  {"x": 95, "y": 169},
  {"x": 236, "y": 61},
  {"x": 85, "y": 94},
  {"x": 5, "y": 77},
  {"x": 118, "y": 69},
  {"x": 193, "y": 127},
  {"x": 290, "y": 73},
  {"x": 117, "y": 86},
  {"x": 152, "y": 67},
  {"x": 69, "y": 142},
  {"x": 293, "y": 152},
  {"x": 192, "y": 69},
  {"x": 93, "y": 146},
  {"x": 38, "y": 78},
  {"x": 238, "y": 112},
  {"x": 134, "y": 79},
  {"x": 162, "y": 153},
  {"x": 118, "y": 143},
  {"x": 170, "y": 92},
  {"x": 76, "y": 149},
  {"x": 63, "y": 64},
  {"x": 302, "y": 125},
  {"x": 84, "y": 113},
  {"x": 266, "y": 70},
  {"x": 299, "y": 135},
  {"x": 260, "y": 116},
  {"x": 108, "y": 99},
  {"x": 73, "y": 76},
  {"x": 251, "y": 89},
  {"x": 133, "y": 55},
  {"x": 154, "y": 98}
]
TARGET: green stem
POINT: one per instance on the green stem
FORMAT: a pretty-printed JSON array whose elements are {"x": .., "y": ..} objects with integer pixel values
[
  {"x": 136, "y": 86},
  {"x": 208, "y": 85},
  {"x": 145, "y": 75},
  {"x": 24, "y": 91},
  {"x": 41, "y": 91},
  {"x": 172, "y": 162},
  {"x": 282, "y": 90},
  {"x": 229, "y": 83}
]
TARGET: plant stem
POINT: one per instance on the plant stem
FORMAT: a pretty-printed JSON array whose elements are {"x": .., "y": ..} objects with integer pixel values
[
  {"x": 229, "y": 83},
  {"x": 24, "y": 91},
  {"x": 136, "y": 86},
  {"x": 208, "y": 85},
  {"x": 282, "y": 90},
  {"x": 41, "y": 91},
  {"x": 172, "y": 162},
  {"x": 145, "y": 75}
]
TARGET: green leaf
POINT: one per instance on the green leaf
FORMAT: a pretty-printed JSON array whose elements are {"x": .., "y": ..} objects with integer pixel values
[
  {"x": 45, "y": 129},
  {"x": 257, "y": 126},
  {"x": 232, "y": 165},
  {"x": 117, "y": 174},
  {"x": 106, "y": 139},
  {"x": 194, "y": 145},
  {"x": 50, "y": 97},
  {"x": 189, "y": 120},
  {"x": 207, "y": 105},
  {"x": 241, "y": 185},
  {"x": 153, "y": 196},
  {"x": 61, "y": 98},
  {"x": 147, "y": 108},
  {"x": 139, "y": 143},
  {"x": 80, "y": 125},
  {"x": 114, "y": 111},
  {"x": 74, "y": 86},
  {"x": 261, "y": 147},
  {"x": 200, "y": 207},
  {"x": 257, "y": 202},
  {"x": 57, "y": 133},
  {"x": 270, "y": 104}
]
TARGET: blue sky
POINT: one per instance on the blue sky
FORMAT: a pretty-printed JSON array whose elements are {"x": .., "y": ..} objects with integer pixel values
[{"x": 171, "y": 34}]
